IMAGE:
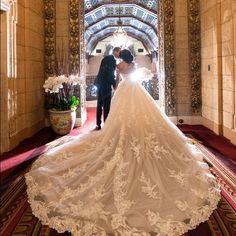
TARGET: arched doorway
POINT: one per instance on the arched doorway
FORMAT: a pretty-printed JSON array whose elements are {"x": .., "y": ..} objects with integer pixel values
[
  {"x": 168, "y": 12},
  {"x": 77, "y": 48},
  {"x": 138, "y": 22}
]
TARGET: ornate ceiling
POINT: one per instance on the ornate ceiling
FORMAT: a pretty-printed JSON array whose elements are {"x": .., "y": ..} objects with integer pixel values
[{"x": 139, "y": 20}]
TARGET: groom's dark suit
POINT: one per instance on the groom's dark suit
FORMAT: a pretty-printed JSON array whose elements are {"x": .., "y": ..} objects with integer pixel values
[{"x": 104, "y": 82}]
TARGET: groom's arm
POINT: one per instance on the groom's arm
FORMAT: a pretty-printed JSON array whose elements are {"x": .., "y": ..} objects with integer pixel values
[
  {"x": 110, "y": 72},
  {"x": 103, "y": 68},
  {"x": 101, "y": 73}
]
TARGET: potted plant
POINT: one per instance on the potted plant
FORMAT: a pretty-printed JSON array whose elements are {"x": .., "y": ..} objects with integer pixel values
[{"x": 61, "y": 102}]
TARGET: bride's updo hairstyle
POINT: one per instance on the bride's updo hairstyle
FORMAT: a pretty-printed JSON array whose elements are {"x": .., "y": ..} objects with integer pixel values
[{"x": 126, "y": 56}]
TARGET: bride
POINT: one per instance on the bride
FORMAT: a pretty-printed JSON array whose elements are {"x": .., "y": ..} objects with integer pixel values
[{"x": 139, "y": 175}]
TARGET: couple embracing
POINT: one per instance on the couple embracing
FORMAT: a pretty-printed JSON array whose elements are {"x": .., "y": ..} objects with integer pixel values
[{"x": 108, "y": 77}]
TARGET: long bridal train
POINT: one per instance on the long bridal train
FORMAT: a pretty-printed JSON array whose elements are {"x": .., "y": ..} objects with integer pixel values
[{"x": 139, "y": 175}]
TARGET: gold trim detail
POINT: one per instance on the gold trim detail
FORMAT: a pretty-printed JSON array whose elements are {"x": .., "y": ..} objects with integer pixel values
[
  {"x": 74, "y": 44},
  {"x": 50, "y": 36},
  {"x": 194, "y": 55},
  {"x": 169, "y": 56}
]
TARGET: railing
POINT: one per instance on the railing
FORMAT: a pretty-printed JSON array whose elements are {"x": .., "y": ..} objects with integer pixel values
[
  {"x": 91, "y": 92},
  {"x": 152, "y": 86}
]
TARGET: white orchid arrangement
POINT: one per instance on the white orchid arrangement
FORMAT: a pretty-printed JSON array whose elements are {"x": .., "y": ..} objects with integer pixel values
[{"x": 60, "y": 92}]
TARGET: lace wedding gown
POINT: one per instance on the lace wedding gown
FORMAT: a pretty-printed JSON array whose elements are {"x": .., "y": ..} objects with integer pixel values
[{"x": 139, "y": 175}]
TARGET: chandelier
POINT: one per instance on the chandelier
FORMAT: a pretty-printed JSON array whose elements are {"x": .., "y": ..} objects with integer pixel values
[{"x": 120, "y": 37}]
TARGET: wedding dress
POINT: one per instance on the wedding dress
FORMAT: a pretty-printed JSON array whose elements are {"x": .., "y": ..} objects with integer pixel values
[{"x": 139, "y": 175}]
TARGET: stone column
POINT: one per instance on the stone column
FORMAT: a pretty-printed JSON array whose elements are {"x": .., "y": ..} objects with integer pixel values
[
  {"x": 161, "y": 65},
  {"x": 77, "y": 54}
]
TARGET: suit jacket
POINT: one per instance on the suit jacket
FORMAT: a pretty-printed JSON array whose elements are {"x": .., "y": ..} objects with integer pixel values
[{"x": 106, "y": 77}]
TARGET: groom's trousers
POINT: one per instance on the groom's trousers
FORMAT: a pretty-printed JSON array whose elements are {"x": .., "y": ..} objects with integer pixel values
[{"x": 103, "y": 105}]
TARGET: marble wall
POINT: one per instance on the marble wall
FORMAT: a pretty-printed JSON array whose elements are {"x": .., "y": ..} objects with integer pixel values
[
  {"x": 218, "y": 34},
  {"x": 24, "y": 77},
  {"x": 30, "y": 50}
]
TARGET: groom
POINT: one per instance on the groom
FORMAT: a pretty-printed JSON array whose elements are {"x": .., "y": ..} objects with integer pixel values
[{"x": 104, "y": 82}]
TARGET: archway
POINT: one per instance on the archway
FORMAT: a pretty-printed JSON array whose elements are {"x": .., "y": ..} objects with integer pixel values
[
  {"x": 139, "y": 23},
  {"x": 166, "y": 29}
]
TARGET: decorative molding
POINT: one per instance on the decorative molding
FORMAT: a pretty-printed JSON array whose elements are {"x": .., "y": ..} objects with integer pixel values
[
  {"x": 161, "y": 66},
  {"x": 50, "y": 36},
  {"x": 194, "y": 55},
  {"x": 169, "y": 56},
  {"x": 77, "y": 61},
  {"x": 82, "y": 40},
  {"x": 82, "y": 58},
  {"x": 74, "y": 40}
]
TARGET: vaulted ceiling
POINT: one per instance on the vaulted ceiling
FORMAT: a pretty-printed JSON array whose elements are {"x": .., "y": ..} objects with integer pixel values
[{"x": 139, "y": 20}]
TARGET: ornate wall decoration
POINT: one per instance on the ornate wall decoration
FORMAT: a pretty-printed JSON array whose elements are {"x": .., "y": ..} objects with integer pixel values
[
  {"x": 82, "y": 40},
  {"x": 169, "y": 56},
  {"x": 77, "y": 50},
  {"x": 50, "y": 36},
  {"x": 194, "y": 55},
  {"x": 74, "y": 40},
  {"x": 161, "y": 66},
  {"x": 77, "y": 45}
]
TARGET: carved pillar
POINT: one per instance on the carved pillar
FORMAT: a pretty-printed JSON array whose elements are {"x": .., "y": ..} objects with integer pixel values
[
  {"x": 82, "y": 61},
  {"x": 49, "y": 39},
  {"x": 74, "y": 37},
  {"x": 166, "y": 56},
  {"x": 194, "y": 55},
  {"x": 77, "y": 50},
  {"x": 82, "y": 40},
  {"x": 50, "y": 36},
  {"x": 77, "y": 53},
  {"x": 169, "y": 56},
  {"x": 161, "y": 62}
]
